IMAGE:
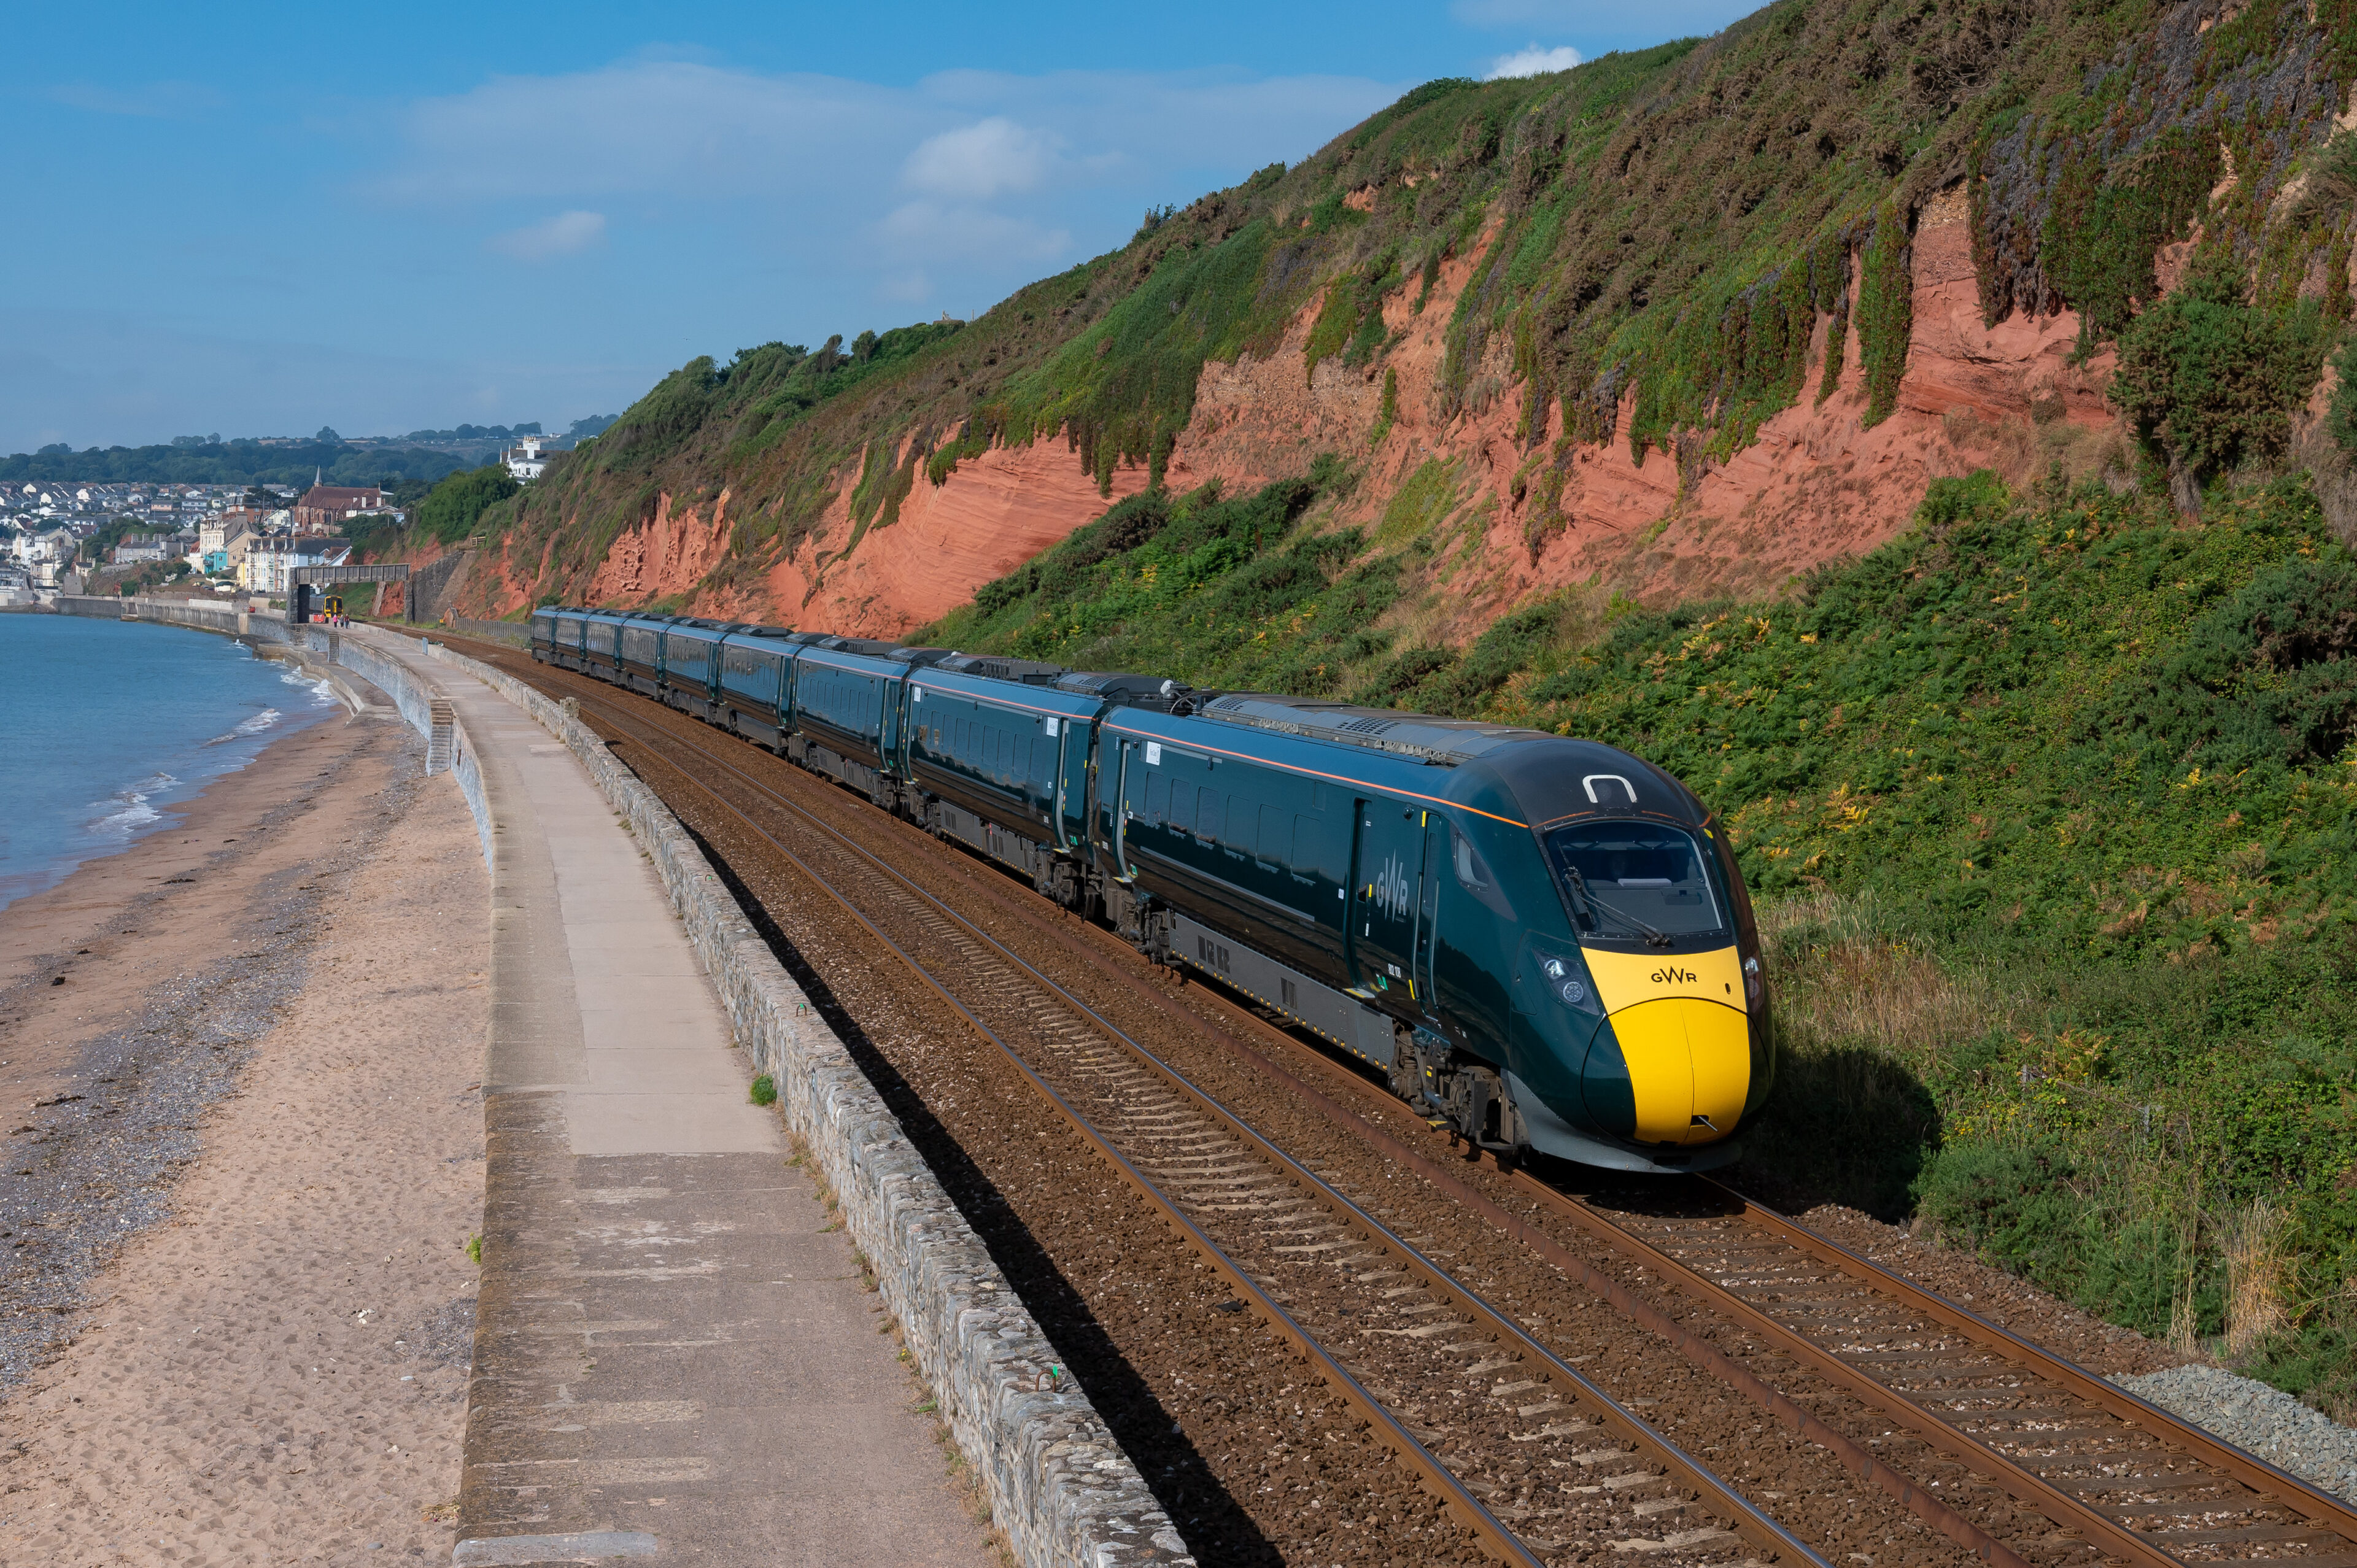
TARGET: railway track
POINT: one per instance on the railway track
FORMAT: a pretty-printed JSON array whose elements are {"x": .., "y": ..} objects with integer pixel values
[
  {"x": 1540, "y": 1461},
  {"x": 2134, "y": 1481},
  {"x": 2111, "y": 1477}
]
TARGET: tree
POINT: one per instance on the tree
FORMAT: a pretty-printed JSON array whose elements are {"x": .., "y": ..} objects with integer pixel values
[{"x": 328, "y": 432}]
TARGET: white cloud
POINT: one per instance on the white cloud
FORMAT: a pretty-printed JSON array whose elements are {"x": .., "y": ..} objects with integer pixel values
[
  {"x": 1531, "y": 60},
  {"x": 566, "y": 234},
  {"x": 980, "y": 161},
  {"x": 682, "y": 129},
  {"x": 678, "y": 129},
  {"x": 965, "y": 184}
]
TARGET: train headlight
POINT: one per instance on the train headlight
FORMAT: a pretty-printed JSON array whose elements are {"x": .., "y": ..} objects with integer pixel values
[
  {"x": 1755, "y": 984},
  {"x": 1570, "y": 987}
]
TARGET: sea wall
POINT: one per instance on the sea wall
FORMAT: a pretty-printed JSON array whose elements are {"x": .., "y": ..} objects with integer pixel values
[{"x": 264, "y": 626}]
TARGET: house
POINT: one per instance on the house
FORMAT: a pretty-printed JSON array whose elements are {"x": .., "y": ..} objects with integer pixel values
[
  {"x": 142, "y": 547},
  {"x": 525, "y": 460},
  {"x": 53, "y": 547},
  {"x": 271, "y": 560},
  {"x": 324, "y": 507},
  {"x": 216, "y": 531}
]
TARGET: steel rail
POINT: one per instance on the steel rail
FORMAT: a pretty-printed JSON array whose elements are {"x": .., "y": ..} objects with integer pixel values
[
  {"x": 1766, "y": 1532},
  {"x": 1462, "y": 1504},
  {"x": 2294, "y": 1495}
]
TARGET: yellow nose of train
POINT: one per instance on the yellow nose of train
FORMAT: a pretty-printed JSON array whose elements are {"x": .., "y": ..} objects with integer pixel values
[{"x": 1685, "y": 1036}]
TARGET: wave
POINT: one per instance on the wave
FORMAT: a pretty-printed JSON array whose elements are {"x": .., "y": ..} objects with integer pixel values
[
  {"x": 129, "y": 810},
  {"x": 323, "y": 693}
]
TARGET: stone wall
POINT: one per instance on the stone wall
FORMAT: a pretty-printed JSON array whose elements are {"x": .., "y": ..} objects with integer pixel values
[
  {"x": 262, "y": 625},
  {"x": 1057, "y": 1483}
]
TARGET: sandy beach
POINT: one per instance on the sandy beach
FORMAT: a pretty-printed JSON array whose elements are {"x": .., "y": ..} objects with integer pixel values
[{"x": 244, "y": 1157}]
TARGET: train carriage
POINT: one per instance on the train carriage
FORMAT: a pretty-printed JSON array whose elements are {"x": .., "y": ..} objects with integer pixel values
[
  {"x": 847, "y": 699},
  {"x": 637, "y": 653},
  {"x": 691, "y": 663},
  {"x": 601, "y": 652},
  {"x": 999, "y": 758},
  {"x": 751, "y": 687}
]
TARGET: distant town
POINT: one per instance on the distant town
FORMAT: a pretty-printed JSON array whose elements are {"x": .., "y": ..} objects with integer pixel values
[{"x": 68, "y": 537}]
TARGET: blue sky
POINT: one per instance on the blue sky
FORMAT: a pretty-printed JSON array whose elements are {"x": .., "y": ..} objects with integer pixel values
[{"x": 268, "y": 218}]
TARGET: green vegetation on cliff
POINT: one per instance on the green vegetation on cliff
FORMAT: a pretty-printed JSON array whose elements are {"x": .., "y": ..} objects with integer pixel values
[
  {"x": 1651, "y": 241},
  {"x": 2054, "y": 805}
]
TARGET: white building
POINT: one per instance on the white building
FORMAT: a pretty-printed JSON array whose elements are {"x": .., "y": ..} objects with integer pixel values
[
  {"x": 271, "y": 561},
  {"x": 525, "y": 460}
]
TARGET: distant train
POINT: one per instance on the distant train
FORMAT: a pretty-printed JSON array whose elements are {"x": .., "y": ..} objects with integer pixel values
[{"x": 1543, "y": 941}]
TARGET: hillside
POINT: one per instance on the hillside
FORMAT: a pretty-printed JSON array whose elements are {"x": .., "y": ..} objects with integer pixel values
[{"x": 1696, "y": 318}]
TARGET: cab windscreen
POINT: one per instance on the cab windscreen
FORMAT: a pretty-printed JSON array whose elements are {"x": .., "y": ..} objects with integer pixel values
[{"x": 1636, "y": 879}]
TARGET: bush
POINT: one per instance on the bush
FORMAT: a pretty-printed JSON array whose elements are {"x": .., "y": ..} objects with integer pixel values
[
  {"x": 764, "y": 1091},
  {"x": 2213, "y": 382},
  {"x": 451, "y": 510}
]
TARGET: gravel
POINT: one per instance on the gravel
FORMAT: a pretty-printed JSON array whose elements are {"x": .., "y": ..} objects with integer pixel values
[{"x": 2259, "y": 1419}]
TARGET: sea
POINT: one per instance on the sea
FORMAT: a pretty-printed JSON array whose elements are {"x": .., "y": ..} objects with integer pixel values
[{"x": 105, "y": 724}]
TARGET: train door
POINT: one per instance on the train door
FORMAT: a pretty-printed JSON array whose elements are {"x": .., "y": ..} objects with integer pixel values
[
  {"x": 1386, "y": 865},
  {"x": 896, "y": 726},
  {"x": 1069, "y": 746},
  {"x": 1121, "y": 813},
  {"x": 1427, "y": 909}
]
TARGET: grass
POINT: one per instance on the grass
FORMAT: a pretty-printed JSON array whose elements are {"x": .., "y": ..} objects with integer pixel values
[
  {"x": 764, "y": 1090},
  {"x": 2051, "y": 805}
]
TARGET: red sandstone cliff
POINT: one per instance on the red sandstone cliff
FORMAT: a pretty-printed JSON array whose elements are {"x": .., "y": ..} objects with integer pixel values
[{"x": 1816, "y": 486}]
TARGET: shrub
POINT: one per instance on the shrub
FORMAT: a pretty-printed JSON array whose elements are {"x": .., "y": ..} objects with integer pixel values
[
  {"x": 451, "y": 510},
  {"x": 2213, "y": 382},
  {"x": 764, "y": 1091}
]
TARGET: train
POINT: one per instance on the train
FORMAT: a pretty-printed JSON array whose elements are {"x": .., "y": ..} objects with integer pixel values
[{"x": 1544, "y": 943}]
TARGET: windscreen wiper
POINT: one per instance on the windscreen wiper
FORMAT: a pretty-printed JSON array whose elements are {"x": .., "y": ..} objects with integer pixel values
[{"x": 1628, "y": 922}]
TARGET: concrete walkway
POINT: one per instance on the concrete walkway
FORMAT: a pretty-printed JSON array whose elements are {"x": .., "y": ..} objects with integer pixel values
[{"x": 677, "y": 1358}]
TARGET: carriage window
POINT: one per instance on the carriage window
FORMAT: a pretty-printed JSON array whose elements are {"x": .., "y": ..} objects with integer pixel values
[
  {"x": 1210, "y": 816},
  {"x": 1182, "y": 804},
  {"x": 1158, "y": 797},
  {"x": 1636, "y": 879},
  {"x": 1473, "y": 873}
]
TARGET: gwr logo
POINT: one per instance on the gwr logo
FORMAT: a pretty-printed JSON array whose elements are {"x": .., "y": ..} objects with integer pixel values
[{"x": 1673, "y": 976}]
